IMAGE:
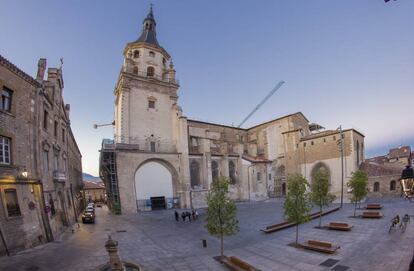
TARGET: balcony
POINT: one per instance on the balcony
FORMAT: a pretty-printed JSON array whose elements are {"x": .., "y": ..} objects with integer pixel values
[
  {"x": 59, "y": 176},
  {"x": 141, "y": 145},
  {"x": 164, "y": 78}
]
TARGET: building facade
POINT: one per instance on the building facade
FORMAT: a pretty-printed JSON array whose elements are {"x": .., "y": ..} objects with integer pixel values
[
  {"x": 94, "y": 191},
  {"x": 160, "y": 159},
  {"x": 36, "y": 146}
]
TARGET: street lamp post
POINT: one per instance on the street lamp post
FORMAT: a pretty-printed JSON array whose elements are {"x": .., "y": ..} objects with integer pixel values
[{"x": 342, "y": 163}]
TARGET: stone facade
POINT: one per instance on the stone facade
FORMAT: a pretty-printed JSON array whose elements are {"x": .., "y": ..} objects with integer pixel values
[
  {"x": 26, "y": 184},
  {"x": 151, "y": 130},
  {"x": 94, "y": 191}
]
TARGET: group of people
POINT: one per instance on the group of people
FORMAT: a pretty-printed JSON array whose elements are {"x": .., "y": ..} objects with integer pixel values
[
  {"x": 191, "y": 215},
  {"x": 396, "y": 220}
]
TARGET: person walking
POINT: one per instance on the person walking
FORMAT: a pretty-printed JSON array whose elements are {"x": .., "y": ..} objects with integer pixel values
[
  {"x": 183, "y": 215},
  {"x": 189, "y": 216},
  {"x": 193, "y": 214},
  {"x": 177, "y": 217},
  {"x": 196, "y": 214}
]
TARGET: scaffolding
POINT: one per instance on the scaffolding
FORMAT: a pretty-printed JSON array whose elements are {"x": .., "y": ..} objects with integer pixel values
[{"x": 108, "y": 173}]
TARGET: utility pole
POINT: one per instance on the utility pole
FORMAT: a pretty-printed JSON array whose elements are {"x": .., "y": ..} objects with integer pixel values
[{"x": 342, "y": 163}]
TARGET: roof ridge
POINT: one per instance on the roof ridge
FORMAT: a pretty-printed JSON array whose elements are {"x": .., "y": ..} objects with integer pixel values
[{"x": 8, "y": 64}]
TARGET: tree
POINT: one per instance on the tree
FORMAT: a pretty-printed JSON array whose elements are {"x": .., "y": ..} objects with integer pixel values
[
  {"x": 320, "y": 195},
  {"x": 297, "y": 206},
  {"x": 221, "y": 211},
  {"x": 358, "y": 184}
]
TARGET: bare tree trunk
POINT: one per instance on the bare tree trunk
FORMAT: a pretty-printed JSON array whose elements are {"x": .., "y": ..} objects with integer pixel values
[
  {"x": 222, "y": 247},
  {"x": 320, "y": 217},
  {"x": 355, "y": 208}
]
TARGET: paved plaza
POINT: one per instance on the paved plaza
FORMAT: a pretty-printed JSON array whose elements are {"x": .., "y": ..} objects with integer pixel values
[{"x": 156, "y": 241}]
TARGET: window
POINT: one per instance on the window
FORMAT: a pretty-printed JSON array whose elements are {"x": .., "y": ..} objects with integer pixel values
[
  {"x": 136, "y": 54},
  {"x": 376, "y": 187},
  {"x": 52, "y": 205},
  {"x": 45, "y": 160},
  {"x": 55, "y": 162},
  {"x": 151, "y": 54},
  {"x": 392, "y": 185},
  {"x": 334, "y": 138},
  {"x": 150, "y": 71},
  {"x": 232, "y": 172},
  {"x": 324, "y": 140},
  {"x": 6, "y": 96},
  {"x": 312, "y": 143},
  {"x": 304, "y": 144},
  {"x": 195, "y": 173},
  {"x": 5, "y": 150},
  {"x": 152, "y": 146},
  {"x": 12, "y": 204},
  {"x": 270, "y": 176},
  {"x": 151, "y": 104},
  {"x": 135, "y": 70},
  {"x": 357, "y": 152},
  {"x": 64, "y": 164},
  {"x": 56, "y": 128},
  {"x": 214, "y": 170},
  {"x": 45, "y": 117},
  {"x": 63, "y": 135},
  {"x": 259, "y": 176}
]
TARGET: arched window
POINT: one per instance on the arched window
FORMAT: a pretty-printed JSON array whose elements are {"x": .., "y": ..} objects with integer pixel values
[
  {"x": 195, "y": 173},
  {"x": 150, "y": 71},
  {"x": 151, "y": 54},
  {"x": 135, "y": 70},
  {"x": 376, "y": 187},
  {"x": 283, "y": 189},
  {"x": 392, "y": 185},
  {"x": 136, "y": 54},
  {"x": 214, "y": 170},
  {"x": 322, "y": 168},
  {"x": 232, "y": 172}
]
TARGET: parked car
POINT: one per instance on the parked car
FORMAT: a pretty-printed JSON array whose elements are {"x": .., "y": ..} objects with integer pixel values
[
  {"x": 91, "y": 204},
  {"x": 90, "y": 209},
  {"x": 88, "y": 217}
]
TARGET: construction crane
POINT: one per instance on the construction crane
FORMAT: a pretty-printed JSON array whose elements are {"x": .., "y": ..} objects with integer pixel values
[{"x": 262, "y": 102}]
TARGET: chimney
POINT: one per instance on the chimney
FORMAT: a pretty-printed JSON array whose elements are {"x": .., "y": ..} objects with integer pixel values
[{"x": 41, "y": 68}]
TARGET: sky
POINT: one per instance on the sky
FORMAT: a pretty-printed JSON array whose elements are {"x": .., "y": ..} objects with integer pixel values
[{"x": 348, "y": 63}]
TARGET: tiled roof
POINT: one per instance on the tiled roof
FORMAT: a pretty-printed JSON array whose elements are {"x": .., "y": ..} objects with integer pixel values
[
  {"x": 6, "y": 63},
  {"x": 404, "y": 151},
  {"x": 374, "y": 169},
  {"x": 94, "y": 185},
  {"x": 378, "y": 159}
]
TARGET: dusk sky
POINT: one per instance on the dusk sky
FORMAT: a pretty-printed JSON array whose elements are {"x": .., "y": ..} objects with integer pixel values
[{"x": 348, "y": 63}]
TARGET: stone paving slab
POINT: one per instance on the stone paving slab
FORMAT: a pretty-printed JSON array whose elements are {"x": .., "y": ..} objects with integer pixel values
[{"x": 156, "y": 241}]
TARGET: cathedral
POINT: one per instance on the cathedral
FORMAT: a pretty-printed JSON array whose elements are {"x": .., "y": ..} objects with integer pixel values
[{"x": 160, "y": 159}]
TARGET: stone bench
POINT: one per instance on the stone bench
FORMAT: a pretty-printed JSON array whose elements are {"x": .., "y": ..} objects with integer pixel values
[
  {"x": 320, "y": 246},
  {"x": 371, "y": 214},
  {"x": 236, "y": 264},
  {"x": 339, "y": 226},
  {"x": 373, "y": 206}
]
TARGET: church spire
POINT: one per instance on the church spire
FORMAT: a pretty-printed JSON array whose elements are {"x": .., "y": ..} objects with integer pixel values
[{"x": 149, "y": 35}]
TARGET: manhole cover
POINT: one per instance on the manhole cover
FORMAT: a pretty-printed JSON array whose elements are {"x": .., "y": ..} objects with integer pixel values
[
  {"x": 340, "y": 268},
  {"x": 32, "y": 268},
  {"x": 329, "y": 262}
]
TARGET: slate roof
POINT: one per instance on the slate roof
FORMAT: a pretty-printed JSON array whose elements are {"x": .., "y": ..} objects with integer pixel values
[
  {"x": 94, "y": 185},
  {"x": 149, "y": 35}
]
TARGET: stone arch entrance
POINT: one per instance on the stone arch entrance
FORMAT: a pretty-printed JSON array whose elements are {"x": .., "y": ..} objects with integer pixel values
[
  {"x": 155, "y": 185},
  {"x": 321, "y": 166}
]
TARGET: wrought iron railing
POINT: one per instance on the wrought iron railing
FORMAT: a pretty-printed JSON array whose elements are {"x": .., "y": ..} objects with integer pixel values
[{"x": 163, "y": 78}]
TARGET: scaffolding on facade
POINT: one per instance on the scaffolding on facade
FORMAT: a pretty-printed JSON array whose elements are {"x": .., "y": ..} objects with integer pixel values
[{"x": 108, "y": 173}]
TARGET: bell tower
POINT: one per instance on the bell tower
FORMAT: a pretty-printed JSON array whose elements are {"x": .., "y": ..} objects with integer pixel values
[{"x": 146, "y": 104}]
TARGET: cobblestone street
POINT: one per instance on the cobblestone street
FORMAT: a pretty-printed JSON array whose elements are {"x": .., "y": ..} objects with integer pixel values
[{"x": 156, "y": 241}]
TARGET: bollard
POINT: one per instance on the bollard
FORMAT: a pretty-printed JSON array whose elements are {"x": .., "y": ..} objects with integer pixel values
[{"x": 204, "y": 242}]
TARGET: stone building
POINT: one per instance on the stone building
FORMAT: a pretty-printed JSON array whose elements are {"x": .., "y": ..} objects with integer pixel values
[
  {"x": 94, "y": 191},
  {"x": 384, "y": 172},
  {"x": 36, "y": 147},
  {"x": 160, "y": 159}
]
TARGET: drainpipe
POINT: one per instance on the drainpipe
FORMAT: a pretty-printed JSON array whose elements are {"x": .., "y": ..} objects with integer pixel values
[
  {"x": 248, "y": 179},
  {"x": 73, "y": 204},
  {"x": 4, "y": 243}
]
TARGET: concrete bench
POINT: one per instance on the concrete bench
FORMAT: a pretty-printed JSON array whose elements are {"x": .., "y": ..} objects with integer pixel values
[
  {"x": 320, "y": 246},
  {"x": 371, "y": 214},
  {"x": 373, "y": 206},
  {"x": 236, "y": 264},
  {"x": 339, "y": 226}
]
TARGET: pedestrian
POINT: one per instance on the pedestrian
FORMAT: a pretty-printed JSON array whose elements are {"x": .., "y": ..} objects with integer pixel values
[
  {"x": 189, "y": 216},
  {"x": 193, "y": 214},
  {"x": 177, "y": 217},
  {"x": 196, "y": 214},
  {"x": 183, "y": 215}
]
